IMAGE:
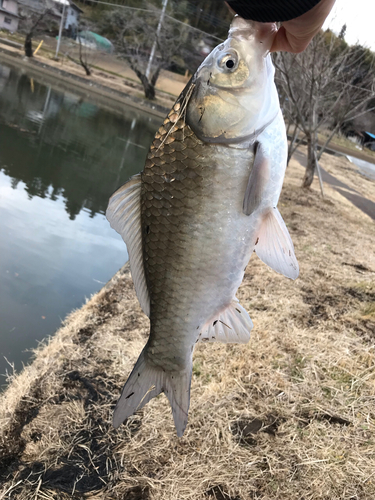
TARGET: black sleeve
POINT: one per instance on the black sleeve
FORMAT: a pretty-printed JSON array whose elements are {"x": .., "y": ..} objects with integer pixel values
[{"x": 269, "y": 11}]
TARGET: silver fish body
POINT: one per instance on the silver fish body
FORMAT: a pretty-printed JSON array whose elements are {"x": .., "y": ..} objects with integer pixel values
[{"x": 205, "y": 201}]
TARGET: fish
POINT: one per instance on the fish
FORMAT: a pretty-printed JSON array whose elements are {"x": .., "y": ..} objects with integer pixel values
[{"x": 205, "y": 201}]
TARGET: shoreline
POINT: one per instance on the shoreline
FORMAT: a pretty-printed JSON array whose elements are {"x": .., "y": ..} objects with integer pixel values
[
  {"x": 61, "y": 79},
  {"x": 115, "y": 99}
]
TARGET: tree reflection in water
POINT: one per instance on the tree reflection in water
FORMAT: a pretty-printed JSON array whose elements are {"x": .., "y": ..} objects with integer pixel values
[{"x": 62, "y": 145}]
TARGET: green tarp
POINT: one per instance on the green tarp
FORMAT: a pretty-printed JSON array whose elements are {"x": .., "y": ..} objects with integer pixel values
[{"x": 99, "y": 42}]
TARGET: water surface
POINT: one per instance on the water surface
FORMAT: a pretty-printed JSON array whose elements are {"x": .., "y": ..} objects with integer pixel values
[
  {"x": 365, "y": 167},
  {"x": 61, "y": 157}
]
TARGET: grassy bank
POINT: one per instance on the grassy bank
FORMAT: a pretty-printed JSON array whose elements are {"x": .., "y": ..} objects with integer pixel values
[{"x": 290, "y": 415}]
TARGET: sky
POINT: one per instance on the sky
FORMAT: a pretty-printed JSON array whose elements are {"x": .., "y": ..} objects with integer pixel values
[{"x": 359, "y": 16}]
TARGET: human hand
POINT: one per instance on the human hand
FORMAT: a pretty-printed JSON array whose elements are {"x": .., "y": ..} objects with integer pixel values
[{"x": 296, "y": 34}]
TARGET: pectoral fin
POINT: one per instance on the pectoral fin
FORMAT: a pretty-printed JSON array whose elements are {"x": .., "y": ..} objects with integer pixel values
[
  {"x": 257, "y": 180},
  {"x": 274, "y": 245},
  {"x": 124, "y": 215}
]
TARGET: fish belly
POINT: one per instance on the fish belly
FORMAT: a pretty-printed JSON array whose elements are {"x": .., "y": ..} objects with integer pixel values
[{"x": 197, "y": 240}]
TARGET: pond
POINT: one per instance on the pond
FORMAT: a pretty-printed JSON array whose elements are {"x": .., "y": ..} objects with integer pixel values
[
  {"x": 366, "y": 168},
  {"x": 61, "y": 157}
]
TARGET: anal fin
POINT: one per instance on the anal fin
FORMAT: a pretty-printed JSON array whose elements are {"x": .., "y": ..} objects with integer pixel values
[{"x": 233, "y": 325}]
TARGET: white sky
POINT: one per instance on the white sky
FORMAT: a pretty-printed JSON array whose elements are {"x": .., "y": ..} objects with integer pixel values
[{"x": 359, "y": 16}]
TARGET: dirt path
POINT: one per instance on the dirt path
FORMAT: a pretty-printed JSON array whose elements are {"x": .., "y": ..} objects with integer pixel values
[{"x": 366, "y": 205}]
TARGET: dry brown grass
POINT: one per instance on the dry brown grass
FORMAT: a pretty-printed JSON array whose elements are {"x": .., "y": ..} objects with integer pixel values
[{"x": 291, "y": 415}]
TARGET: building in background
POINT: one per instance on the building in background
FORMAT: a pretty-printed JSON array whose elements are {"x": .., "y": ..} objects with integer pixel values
[
  {"x": 9, "y": 15},
  {"x": 72, "y": 13}
]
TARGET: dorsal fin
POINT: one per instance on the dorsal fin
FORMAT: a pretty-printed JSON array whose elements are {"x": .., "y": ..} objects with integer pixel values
[{"x": 124, "y": 215}]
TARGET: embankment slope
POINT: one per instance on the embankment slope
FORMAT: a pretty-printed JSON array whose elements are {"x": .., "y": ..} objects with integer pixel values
[{"x": 290, "y": 415}]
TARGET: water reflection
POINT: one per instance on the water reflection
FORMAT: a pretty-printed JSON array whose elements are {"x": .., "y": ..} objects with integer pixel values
[
  {"x": 61, "y": 157},
  {"x": 64, "y": 145},
  {"x": 366, "y": 168}
]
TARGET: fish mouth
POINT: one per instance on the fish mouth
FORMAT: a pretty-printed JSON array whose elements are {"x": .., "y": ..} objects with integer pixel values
[
  {"x": 234, "y": 90},
  {"x": 263, "y": 33},
  {"x": 203, "y": 83}
]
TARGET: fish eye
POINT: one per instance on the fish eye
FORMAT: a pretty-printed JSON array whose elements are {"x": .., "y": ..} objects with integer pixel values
[{"x": 228, "y": 62}]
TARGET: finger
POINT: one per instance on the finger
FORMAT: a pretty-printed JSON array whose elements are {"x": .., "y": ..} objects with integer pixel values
[
  {"x": 287, "y": 42},
  {"x": 296, "y": 34}
]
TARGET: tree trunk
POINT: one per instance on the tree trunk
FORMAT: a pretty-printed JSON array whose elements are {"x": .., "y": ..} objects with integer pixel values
[
  {"x": 310, "y": 167},
  {"x": 29, "y": 37},
  {"x": 84, "y": 64},
  {"x": 148, "y": 88},
  {"x": 29, "y": 45},
  {"x": 85, "y": 67}
]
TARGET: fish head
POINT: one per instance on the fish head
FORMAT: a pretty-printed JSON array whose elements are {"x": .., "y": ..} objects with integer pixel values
[{"x": 234, "y": 93}]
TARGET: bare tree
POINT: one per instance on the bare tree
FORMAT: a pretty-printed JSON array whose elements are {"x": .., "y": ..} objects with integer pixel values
[
  {"x": 32, "y": 22},
  {"x": 326, "y": 86},
  {"x": 134, "y": 33},
  {"x": 88, "y": 50},
  {"x": 84, "y": 55}
]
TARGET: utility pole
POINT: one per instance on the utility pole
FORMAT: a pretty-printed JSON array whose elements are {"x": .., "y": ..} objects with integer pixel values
[
  {"x": 148, "y": 70},
  {"x": 65, "y": 3}
]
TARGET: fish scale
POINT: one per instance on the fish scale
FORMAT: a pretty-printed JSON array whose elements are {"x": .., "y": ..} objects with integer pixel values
[{"x": 189, "y": 237}]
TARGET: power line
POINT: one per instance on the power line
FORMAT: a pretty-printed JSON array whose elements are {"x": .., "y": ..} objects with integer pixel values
[
  {"x": 122, "y": 6},
  {"x": 154, "y": 11},
  {"x": 196, "y": 29}
]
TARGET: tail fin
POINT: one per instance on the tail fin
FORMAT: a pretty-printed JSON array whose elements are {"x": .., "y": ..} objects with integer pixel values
[{"x": 147, "y": 381}]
